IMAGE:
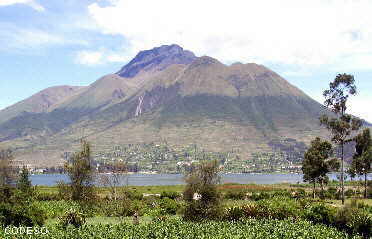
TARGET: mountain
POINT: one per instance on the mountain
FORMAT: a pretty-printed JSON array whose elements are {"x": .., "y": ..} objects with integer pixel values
[
  {"x": 165, "y": 94},
  {"x": 40, "y": 102},
  {"x": 158, "y": 58}
]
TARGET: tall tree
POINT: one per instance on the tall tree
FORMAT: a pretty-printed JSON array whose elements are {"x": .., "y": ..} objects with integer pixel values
[
  {"x": 82, "y": 174},
  {"x": 118, "y": 176},
  {"x": 201, "y": 194},
  {"x": 24, "y": 183},
  {"x": 342, "y": 125},
  {"x": 362, "y": 160},
  {"x": 7, "y": 169},
  {"x": 318, "y": 162}
]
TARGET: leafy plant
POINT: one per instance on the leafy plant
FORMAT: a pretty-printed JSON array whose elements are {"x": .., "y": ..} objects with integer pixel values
[{"x": 72, "y": 217}]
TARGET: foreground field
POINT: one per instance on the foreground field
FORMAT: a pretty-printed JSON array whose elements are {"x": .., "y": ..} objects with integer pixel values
[{"x": 176, "y": 228}]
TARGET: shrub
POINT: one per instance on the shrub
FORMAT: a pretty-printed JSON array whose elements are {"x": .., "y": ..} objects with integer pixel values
[
  {"x": 203, "y": 182},
  {"x": 280, "y": 208},
  {"x": 299, "y": 193},
  {"x": 320, "y": 213},
  {"x": 21, "y": 215},
  {"x": 256, "y": 196},
  {"x": 234, "y": 213},
  {"x": 197, "y": 211},
  {"x": 169, "y": 206},
  {"x": 122, "y": 208},
  {"x": 354, "y": 220},
  {"x": 47, "y": 197},
  {"x": 361, "y": 222},
  {"x": 169, "y": 194},
  {"x": 252, "y": 211},
  {"x": 349, "y": 193},
  {"x": 72, "y": 217},
  {"x": 282, "y": 194},
  {"x": 331, "y": 193},
  {"x": 132, "y": 195},
  {"x": 235, "y": 195},
  {"x": 276, "y": 208}
]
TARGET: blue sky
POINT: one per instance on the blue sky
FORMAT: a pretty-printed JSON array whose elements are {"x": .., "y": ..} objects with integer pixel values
[{"x": 45, "y": 43}]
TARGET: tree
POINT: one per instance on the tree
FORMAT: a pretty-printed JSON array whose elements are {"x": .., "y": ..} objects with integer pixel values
[
  {"x": 201, "y": 194},
  {"x": 362, "y": 159},
  {"x": 342, "y": 125},
  {"x": 81, "y": 173},
  {"x": 7, "y": 169},
  {"x": 24, "y": 183},
  {"x": 116, "y": 178},
  {"x": 317, "y": 163}
]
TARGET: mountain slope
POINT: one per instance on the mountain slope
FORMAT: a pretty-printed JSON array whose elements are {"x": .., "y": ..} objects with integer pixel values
[
  {"x": 39, "y": 102},
  {"x": 168, "y": 93}
]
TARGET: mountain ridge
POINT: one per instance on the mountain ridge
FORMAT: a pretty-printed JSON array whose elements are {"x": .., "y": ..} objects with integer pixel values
[{"x": 167, "y": 93}]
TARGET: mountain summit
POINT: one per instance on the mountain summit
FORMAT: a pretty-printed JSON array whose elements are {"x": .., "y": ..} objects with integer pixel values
[
  {"x": 156, "y": 59},
  {"x": 167, "y": 93}
]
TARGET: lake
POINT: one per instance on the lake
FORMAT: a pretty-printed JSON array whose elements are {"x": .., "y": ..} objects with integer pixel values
[{"x": 177, "y": 179}]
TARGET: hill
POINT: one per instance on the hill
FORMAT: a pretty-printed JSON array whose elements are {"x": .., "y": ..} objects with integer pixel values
[{"x": 167, "y": 94}]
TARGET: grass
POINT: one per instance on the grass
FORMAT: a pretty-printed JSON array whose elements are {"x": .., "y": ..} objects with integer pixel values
[
  {"x": 99, "y": 220},
  {"x": 176, "y": 228}
]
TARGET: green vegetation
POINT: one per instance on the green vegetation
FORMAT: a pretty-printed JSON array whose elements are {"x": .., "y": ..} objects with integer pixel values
[
  {"x": 362, "y": 160},
  {"x": 342, "y": 126},
  {"x": 201, "y": 193},
  {"x": 317, "y": 163},
  {"x": 251, "y": 210},
  {"x": 81, "y": 173},
  {"x": 177, "y": 228}
]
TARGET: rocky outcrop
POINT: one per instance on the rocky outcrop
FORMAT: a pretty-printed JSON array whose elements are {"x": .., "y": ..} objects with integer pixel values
[
  {"x": 158, "y": 58},
  {"x": 158, "y": 96}
]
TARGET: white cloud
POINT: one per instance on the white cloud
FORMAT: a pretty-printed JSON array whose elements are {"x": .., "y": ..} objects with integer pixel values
[
  {"x": 117, "y": 58},
  {"x": 15, "y": 38},
  {"x": 36, "y": 6},
  {"x": 359, "y": 105},
  {"x": 306, "y": 33},
  {"x": 89, "y": 57},
  {"x": 99, "y": 57}
]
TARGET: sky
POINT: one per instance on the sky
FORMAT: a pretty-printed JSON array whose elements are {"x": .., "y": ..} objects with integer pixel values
[{"x": 45, "y": 43}]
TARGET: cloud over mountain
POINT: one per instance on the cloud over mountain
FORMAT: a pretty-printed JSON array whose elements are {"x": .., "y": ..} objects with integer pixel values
[{"x": 310, "y": 33}]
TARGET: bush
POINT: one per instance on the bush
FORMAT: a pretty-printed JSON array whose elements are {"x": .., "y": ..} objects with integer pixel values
[
  {"x": 369, "y": 189},
  {"x": 331, "y": 193},
  {"x": 256, "y": 196},
  {"x": 252, "y": 211},
  {"x": 197, "y": 211},
  {"x": 299, "y": 193},
  {"x": 6, "y": 193},
  {"x": 235, "y": 195},
  {"x": 349, "y": 193},
  {"x": 361, "y": 222},
  {"x": 21, "y": 215},
  {"x": 132, "y": 195},
  {"x": 169, "y": 206},
  {"x": 282, "y": 194},
  {"x": 169, "y": 194},
  {"x": 55, "y": 209},
  {"x": 202, "y": 182},
  {"x": 47, "y": 197},
  {"x": 354, "y": 220},
  {"x": 280, "y": 208},
  {"x": 234, "y": 213},
  {"x": 72, "y": 217},
  {"x": 277, "y": 208},
  {"x": 122, "y": 208},
  {"x": 320, "y": 213}
]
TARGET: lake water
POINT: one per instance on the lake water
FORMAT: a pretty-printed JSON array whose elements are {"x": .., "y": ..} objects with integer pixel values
[{"x": 177, "y": 179}]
